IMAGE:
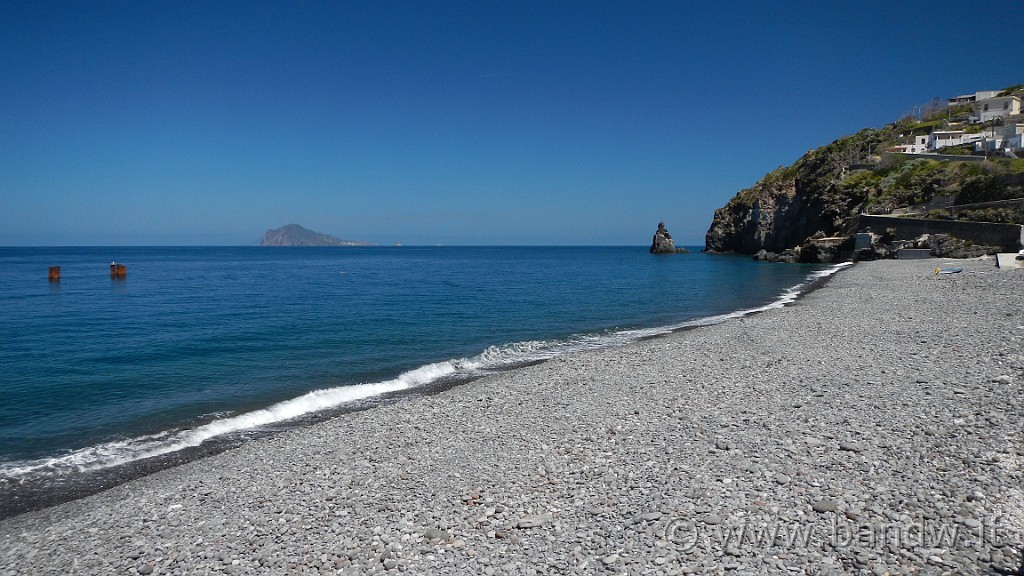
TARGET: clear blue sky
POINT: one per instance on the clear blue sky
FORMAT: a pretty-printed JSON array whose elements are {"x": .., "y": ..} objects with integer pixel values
[{"x": 192, "y": 123}]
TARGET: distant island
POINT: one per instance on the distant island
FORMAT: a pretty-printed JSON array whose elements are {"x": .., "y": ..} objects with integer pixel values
[{"x": 295, "y": 235}]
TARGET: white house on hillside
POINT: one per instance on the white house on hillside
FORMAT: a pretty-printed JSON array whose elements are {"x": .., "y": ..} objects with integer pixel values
[
  {"x": 939, "y": 139},
  {"x": 987, "y": 107},
  {"x": 999, "y": 107},
  {"x": 1002, "y": 138},
  {"x": 920, "y": 146},
  {"x": 942, "y": 138},
  {"x": 968, "y": 98}
]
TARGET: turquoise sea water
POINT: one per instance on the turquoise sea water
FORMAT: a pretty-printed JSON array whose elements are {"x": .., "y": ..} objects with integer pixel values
[{"x": 198, "y": 344}]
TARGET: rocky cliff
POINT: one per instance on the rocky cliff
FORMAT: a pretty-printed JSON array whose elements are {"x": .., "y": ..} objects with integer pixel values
[
  {"x": 791, "y": 204},
  {"x": 295, "y": 235},
  {"x": 823, "y": 193}
]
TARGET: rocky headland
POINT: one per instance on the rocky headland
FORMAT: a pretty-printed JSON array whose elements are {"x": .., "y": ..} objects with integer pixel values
[
  {"x": 887, "y": 440},
  {"x": 295, "y": 235},
  {"x": 788, "y": 213}
]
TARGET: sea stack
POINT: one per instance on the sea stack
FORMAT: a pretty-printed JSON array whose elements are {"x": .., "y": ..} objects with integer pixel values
[{"x": 663, "y": 243}]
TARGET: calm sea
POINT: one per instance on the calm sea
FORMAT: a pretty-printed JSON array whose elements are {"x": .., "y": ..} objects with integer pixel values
[{"x": 199, "y": 345}]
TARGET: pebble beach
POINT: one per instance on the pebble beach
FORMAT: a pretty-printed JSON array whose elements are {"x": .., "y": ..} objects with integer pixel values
[{"x": 874, "y": 426}]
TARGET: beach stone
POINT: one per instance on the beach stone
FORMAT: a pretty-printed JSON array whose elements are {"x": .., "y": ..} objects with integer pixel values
[
  {"x": 712, "y": 519},
  {"x": 435, "y": 534},
  {"x": 647, "y": 517},
  {"x": 534, "y": 521},
  {"x": 822, "y": 506}
]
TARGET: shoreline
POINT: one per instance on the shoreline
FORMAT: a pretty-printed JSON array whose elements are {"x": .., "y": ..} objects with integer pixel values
[
  {"x": 885, "y": 396},
  {"x": 20, "y": 497}
]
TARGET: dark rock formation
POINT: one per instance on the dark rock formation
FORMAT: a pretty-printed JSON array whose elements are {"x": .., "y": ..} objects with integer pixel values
[
  {"x": 819, "y": 249},
  {"x": 663, "y": 243},
  {"x": 295, "y": 235},
  {"x": 946, "y": 246},
  {"x": 882, "y": 247},
  {"x": 778, "y": 218},
  {"x": 790, "y": 256},
  {"x": 816, "y": 250}
]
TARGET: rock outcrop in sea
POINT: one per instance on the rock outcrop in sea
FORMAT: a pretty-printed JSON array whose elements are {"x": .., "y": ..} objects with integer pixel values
[
  {"x": 295, "y": 235},
  {"x": 663, "y": 243}
]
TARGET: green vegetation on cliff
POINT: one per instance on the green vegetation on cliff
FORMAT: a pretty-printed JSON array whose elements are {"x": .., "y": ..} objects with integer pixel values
[{"x": 898, "y": 182}]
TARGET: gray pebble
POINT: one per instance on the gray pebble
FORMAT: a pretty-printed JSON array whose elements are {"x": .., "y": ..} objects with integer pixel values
[
  {"x": 712, "y": 519},
  {"x": 534, "y": 521},
  {"x": 822, "y": 506},
  {"x": 435, "y": 534}
]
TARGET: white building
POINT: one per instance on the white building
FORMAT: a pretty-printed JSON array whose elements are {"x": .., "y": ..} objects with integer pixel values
[
  {"x": 1002, "y": 138},
  {"x": 976, "y": 97},
  {"x": 942, "y": 138},
  {"x": 920, "y": 146},
  {"x": 921, "y": 143},
  {"x": 998, "y": 107}
]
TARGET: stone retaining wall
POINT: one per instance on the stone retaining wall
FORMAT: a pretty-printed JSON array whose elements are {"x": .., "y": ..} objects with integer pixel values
[{"x": 1008, "y": 236}]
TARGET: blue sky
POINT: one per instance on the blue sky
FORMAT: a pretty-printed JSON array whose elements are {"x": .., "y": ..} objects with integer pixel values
[{"x": 448, "y": 122}]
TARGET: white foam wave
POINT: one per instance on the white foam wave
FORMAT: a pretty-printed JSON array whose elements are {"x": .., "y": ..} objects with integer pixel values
[
  {"x": 494, "y": 358},
  {"x": 120, "y": 452},
  {"x": 517, "y": 352}
]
